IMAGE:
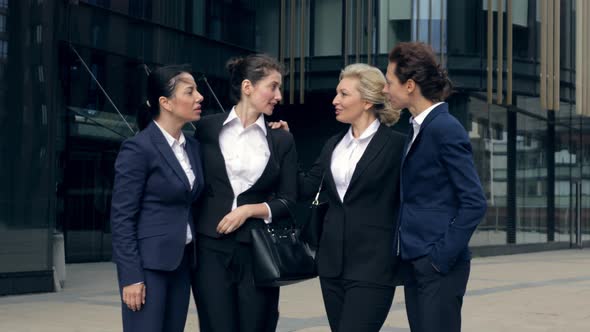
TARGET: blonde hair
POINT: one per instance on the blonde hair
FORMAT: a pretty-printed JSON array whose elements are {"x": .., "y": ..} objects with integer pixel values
[{"x": 371, "y": 84}]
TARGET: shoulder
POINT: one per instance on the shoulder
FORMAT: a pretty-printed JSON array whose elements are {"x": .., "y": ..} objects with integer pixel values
[{"x": 205, "y": 124}]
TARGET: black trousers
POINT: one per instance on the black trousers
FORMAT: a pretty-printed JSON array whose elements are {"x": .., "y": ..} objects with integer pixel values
[
  {"x": 166, "y": 301},
  {"x": 354, "y": 306},
  {"x": 225, "y": 294},
  {"x": 434, "y": 300}
]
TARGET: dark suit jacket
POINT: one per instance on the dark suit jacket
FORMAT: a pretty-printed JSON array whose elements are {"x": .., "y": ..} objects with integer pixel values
[
  {"x": 151, "y": 204},
  {"x": 442, "y": 200},
  {"x": 358, "y": 233},
  {"x": 277, "y": 181}
]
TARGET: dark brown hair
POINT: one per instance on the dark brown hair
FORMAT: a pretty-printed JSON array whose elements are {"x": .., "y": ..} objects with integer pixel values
[
  {"x": 416, "y": 61},
  {"x": 254, "y": 67},
  {"x": 161, "y": 82}
]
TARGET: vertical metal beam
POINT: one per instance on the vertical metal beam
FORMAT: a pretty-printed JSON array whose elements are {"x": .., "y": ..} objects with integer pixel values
[
  {"x": 550, "y": 48},
  {"x": 369, "y": 30},
  {"x": 345, "y": 27},
  {"x": 282, "y": 33},
  {"x": 282, "y": 39},
  {"x": 430, "y": 22},
  {"x": 417, "y": 19},
  {"x": 442, "y": 34},
  {"x": 302, "y": 53},
  {"x": 556, "y": 53},
  {"x": 500, "y": 54},
  {"x": 490, "y": 59},
  {"x": 292, "y": 53},
  {"x": 579, "y": 48},
  {"x": 358, "y": 30},
  {"x": 543, "y": 60},
  {"x": 509, "y": 47},
  {"x": 585, "y": 35}
]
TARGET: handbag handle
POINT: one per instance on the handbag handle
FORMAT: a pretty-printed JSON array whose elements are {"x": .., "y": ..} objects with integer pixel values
[{"x": 316, "y": 200}]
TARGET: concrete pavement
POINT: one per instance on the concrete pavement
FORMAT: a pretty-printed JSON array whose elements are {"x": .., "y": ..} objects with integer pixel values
[{"x": 546, "y": 291}]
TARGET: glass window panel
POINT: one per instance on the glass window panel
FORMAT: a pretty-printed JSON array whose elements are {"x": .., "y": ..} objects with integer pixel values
[{"x": 531, "y": 180}]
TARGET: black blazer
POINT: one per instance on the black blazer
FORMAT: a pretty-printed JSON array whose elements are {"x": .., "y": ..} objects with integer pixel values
[
  {"x": 358, "y": 235},
  {"x": 279, "y": 180}
]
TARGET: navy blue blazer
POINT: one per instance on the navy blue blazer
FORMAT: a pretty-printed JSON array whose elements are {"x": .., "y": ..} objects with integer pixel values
[
  {"x": 441, "y": 198},
  {"x": 151, "y": 204}
]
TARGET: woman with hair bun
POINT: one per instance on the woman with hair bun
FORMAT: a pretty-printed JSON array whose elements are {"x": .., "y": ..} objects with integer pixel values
[
  {"x": 158, "y": 175},
  {"x": 360, "y": 172},
  {"x": 248, "y": 171}
]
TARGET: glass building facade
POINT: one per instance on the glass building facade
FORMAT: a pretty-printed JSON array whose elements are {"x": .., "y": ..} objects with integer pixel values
[{"x": 73, "y": 72}]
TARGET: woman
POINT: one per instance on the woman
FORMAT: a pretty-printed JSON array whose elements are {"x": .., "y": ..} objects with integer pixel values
[
  {"x": 442, "y": 200},
  {"x": 248, "y": 171},
  {"x": 360, "y": 168},
  {"x": 158, "y": 175}
]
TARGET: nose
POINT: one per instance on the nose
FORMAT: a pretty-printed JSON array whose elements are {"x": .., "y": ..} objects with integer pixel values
[
  {"x": 336, "y": 100},
  {"x": 278, "y": 95},
  {"x": 199, "y": 96}
]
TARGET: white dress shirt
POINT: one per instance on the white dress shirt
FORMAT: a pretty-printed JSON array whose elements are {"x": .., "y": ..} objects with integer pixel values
[
  {"x": 417, "y": 121},
  {"x": 347, "y": 154},
  {"x": 182, "y": 157},
  {"x": 246, "y": 153}
]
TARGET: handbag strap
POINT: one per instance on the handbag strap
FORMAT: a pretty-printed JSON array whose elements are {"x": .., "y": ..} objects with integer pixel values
[{"x": 316, "y": 200}]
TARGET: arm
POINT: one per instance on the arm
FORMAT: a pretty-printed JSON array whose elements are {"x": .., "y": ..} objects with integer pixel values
[
  {"x": 458, "y": 161},
  {"x": 130, "y": 175},
  {"x": 286, "y": 189}
]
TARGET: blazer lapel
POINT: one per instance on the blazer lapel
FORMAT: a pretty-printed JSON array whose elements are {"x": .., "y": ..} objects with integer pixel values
[
  {"x": 375, "y": 146},
  {"x": 328, "y": 176},
  {"x": 442, "y": 108},
  {"x": 195, "y": 160},
  {"x": 167, "y": 153},
  {"x": 271, "y": 167}
]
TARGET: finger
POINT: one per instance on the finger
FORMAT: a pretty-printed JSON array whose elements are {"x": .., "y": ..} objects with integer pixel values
[
  {"x": 135, "y": 301},
  {"x": 143, "y": 295},
  {"x": 221, "y": 225}
]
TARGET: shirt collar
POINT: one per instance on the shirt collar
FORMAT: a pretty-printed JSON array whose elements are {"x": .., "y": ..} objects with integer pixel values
[
  {"x": 233, "y": 116},
  {"x": 171, "y": 140},
  {"x": 422, "y": 116},
  {"x": 368, "y": 133}
]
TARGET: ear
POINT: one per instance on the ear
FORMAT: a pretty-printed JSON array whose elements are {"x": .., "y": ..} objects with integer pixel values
[
  {"x": 367, "y": 105},
  {"x": 410, "y": 86},
  {"x": 247, "y": 87},
  {"x": 165, "y": 103}
]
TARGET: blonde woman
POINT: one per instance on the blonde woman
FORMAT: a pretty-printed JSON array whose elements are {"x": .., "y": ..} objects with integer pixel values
[{"x": 360, "y": 167}]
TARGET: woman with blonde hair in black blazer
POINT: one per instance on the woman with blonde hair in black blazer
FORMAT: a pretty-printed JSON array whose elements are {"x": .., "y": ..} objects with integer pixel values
[
  {"x": 360, "y": 171},
  {"x": 250, "y": 172}
]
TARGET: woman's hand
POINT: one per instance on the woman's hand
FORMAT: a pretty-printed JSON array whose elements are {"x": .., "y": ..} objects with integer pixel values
[
  {"x": 279, "y": 125},
  {"x": 134, "y": 296},
  {"x": 234, "y": 219}
]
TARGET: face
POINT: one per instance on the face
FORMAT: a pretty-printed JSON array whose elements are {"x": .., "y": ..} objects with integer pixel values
[
  {"x": 398, "y": 93},
  {"x": 185, "y": 103},
  {"x": 348, "y": 102},
  {"x": 266, "y": 93}
]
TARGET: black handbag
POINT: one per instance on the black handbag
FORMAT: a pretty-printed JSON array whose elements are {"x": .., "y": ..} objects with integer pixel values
[
  {"x": 312, "y": 230},
  {"x": 279, "y": 256}
]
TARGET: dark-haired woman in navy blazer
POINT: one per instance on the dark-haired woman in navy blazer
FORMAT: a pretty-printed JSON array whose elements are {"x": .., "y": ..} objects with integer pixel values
[{"x": 158, "y": 175}]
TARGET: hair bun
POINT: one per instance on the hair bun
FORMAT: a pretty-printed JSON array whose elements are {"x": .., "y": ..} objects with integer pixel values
[{"x": 233, "y": 64}]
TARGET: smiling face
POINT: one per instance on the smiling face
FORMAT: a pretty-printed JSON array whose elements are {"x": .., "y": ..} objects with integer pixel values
[
  {"x": 265, "y": 94},
  {"x": 398, "y": 93},
  {"x": 185, "y": 102},
  {"x": 348, "y": 104}
]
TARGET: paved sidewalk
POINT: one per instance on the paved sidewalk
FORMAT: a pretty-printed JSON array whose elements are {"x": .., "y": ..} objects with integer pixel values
[{"x": 547, "y": 291}]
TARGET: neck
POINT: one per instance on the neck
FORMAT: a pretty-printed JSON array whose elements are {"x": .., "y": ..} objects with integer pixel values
[
  {"x": 420, "y": 106},
  {"x": 360, "y": 125},
  {"x": 248, "y": 115},
  {"x": 172, "y": 127}
]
